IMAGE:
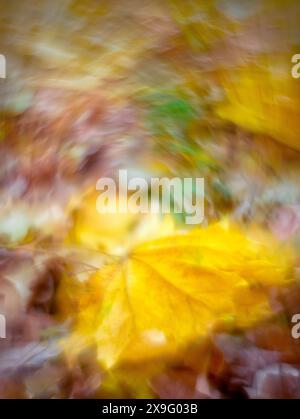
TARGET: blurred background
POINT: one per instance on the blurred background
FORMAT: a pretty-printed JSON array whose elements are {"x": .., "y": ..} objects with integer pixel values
[{"x": 160, "y": 88}]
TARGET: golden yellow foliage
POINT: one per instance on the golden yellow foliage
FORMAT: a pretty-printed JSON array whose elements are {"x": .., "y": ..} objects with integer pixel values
[
  {"x": 113, "y": 232},
  {"x": 264, "y": 99},
  {"x": 170, "y": 292}
]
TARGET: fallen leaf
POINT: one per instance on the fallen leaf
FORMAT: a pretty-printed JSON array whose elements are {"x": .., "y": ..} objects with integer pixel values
[{"x": 170, "y": 292}]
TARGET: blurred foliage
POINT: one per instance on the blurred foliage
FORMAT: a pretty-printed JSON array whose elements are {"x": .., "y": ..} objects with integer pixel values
[{"x": 142, "y": 304}]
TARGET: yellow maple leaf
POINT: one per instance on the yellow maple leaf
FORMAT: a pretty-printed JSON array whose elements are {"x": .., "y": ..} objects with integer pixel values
[
  {"x": 170, "y": 292},
  {"x": 264, "y": 100}
]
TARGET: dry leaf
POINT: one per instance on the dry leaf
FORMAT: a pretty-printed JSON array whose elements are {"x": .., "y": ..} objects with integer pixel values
[{"x": 170, "y": 292}]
